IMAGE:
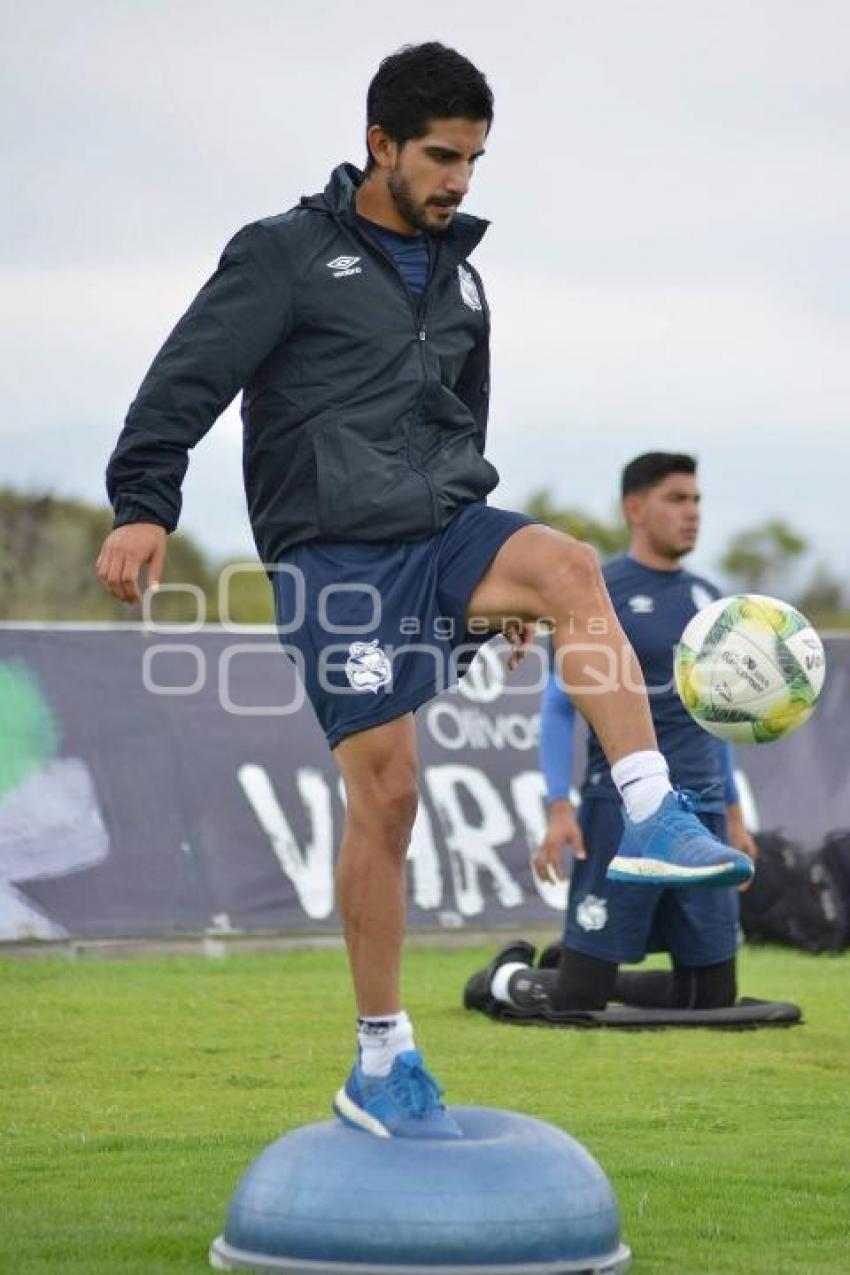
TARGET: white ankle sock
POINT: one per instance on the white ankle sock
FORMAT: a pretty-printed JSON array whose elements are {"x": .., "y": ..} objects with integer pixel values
[
  {"x": 381, "y": 1037},
  {"x": 499, "y": 988},
  {"x": 643, "y": 781}
]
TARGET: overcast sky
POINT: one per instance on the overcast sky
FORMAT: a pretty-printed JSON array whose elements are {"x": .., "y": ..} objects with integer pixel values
[{"x": 668, "y": 266}]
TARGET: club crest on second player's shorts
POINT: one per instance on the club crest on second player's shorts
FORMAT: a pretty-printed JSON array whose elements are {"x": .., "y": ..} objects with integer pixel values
[
  {"x": 468, "y": 290},
  {"x": 592, "y": 913},
  {"x": 367, "y": 667}
]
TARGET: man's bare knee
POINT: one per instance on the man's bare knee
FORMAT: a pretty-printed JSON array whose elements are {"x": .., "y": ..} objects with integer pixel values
[
  {"x": 572, "y": 576},
  {"x": 384, "y": 803}
]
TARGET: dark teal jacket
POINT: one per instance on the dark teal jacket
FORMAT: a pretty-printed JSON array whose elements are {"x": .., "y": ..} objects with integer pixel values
[{"x": 364, "y": 407}]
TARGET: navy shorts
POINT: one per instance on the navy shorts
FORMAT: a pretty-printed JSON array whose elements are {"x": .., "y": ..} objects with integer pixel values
[
  {"x": 378, "y": 629},
  {"x": 622, "y": 923}
]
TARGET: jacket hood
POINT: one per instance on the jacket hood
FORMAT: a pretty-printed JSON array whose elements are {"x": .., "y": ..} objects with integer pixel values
[{"x": 464, "y": 234}]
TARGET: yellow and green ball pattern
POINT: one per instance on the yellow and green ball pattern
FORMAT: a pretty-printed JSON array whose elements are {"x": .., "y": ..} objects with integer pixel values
[{"x": 749, "y": 668}]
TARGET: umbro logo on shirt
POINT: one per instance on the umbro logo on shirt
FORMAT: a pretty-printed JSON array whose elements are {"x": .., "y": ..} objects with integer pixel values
[
  {"x": 343, "y": 266},
  {"x": 640, "y": 604}
]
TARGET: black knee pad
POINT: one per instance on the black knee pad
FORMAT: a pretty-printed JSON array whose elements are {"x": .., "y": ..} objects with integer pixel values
[{"x": 705, "y": 986}]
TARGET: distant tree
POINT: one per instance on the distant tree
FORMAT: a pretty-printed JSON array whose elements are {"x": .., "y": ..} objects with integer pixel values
[
  {"x": 822, "y": 597},
  {"x": 48, "y": 548},
  {"x": 249, "y": 597},
  {"x": 610, "y": 538},
  {"x": 762, "y": 556}
]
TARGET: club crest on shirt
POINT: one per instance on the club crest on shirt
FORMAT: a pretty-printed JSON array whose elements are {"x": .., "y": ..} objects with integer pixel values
[
  {"x": 367, "y": 667},
  {"x": 592, "y": 913},
  {"x": 641, "y": 604},
  {"x": 468, "y": 290}
]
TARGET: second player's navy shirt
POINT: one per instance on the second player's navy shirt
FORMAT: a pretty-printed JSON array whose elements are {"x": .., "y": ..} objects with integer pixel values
[{"x": 653, "y": 607}]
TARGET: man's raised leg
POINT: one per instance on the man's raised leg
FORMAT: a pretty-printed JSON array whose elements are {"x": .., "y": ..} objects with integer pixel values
[
  {"x": 389, "y": 1092},
  {"x": 539, "y": 573}
]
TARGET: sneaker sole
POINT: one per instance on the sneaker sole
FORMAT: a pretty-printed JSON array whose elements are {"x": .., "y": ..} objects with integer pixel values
[
  {"x": 656, "y": 872},
  {"x": 356, "y": 1118}
]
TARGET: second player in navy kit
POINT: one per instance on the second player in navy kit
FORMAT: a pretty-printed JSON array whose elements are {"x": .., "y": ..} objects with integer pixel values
[
  {"x": 610, "y": 922},
  {"x": 615, "y": 921}
]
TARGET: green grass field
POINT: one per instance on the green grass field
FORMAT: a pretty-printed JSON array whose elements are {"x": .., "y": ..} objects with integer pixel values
[{"x": 134, "y": 1093}]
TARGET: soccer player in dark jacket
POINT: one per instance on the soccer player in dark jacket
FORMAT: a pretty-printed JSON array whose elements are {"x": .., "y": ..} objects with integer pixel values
[{"x": 357, "y": 329}]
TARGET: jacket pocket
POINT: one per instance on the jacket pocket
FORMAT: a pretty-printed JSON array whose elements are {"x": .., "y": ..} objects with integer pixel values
[
  {"x": 459, "y": 472},
  {"x": 367, "y": 488}
]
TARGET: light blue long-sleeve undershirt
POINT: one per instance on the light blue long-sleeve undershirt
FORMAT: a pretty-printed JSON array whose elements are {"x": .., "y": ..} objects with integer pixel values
[{"x": 557, "y": 749}]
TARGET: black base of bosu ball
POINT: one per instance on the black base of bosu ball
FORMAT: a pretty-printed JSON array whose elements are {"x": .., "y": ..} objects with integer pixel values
[{"x": 514, "y": 1196}]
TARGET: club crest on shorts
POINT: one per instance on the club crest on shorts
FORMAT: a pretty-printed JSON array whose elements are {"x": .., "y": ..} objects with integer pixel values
[
  {"x": 468, "y": 290},
  {"x": 592, "y": 913},
  {"x": 367, "y": 667}
]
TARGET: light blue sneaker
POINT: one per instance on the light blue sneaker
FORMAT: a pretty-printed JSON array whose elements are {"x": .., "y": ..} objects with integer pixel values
[
  {"x": 673, "y": 848},
  {"x": 404, "y": 1104}
]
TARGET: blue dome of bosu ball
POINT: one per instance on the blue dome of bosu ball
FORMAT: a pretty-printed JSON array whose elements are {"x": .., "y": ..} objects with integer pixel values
[{"x": 514, "y": 1196}]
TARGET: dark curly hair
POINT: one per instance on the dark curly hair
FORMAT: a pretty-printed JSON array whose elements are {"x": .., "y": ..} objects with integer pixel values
[{"x": 421, "y": 83}]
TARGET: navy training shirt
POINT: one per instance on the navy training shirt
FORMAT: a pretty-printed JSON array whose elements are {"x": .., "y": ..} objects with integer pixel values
[
  {"x": 653, "y": 607},
  {"x": 411, "y": 253}
]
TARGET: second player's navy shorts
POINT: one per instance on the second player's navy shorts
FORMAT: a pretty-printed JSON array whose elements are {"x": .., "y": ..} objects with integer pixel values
[
  {"x": 377, "y": 629},
  {"x": 622, "y": 923}
]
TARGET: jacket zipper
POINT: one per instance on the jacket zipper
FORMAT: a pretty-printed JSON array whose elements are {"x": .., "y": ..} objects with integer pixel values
[{"x": 419, "y": 310}]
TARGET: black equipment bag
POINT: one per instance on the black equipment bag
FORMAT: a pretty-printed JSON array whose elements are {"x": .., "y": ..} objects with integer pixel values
[
  {"x": 793, "y": 899},
  {"x": 835, "y": 854}
]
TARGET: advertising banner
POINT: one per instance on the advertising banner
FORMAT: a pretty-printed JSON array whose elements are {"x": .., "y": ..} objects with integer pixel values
[{"x": 159, "y": 783}]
